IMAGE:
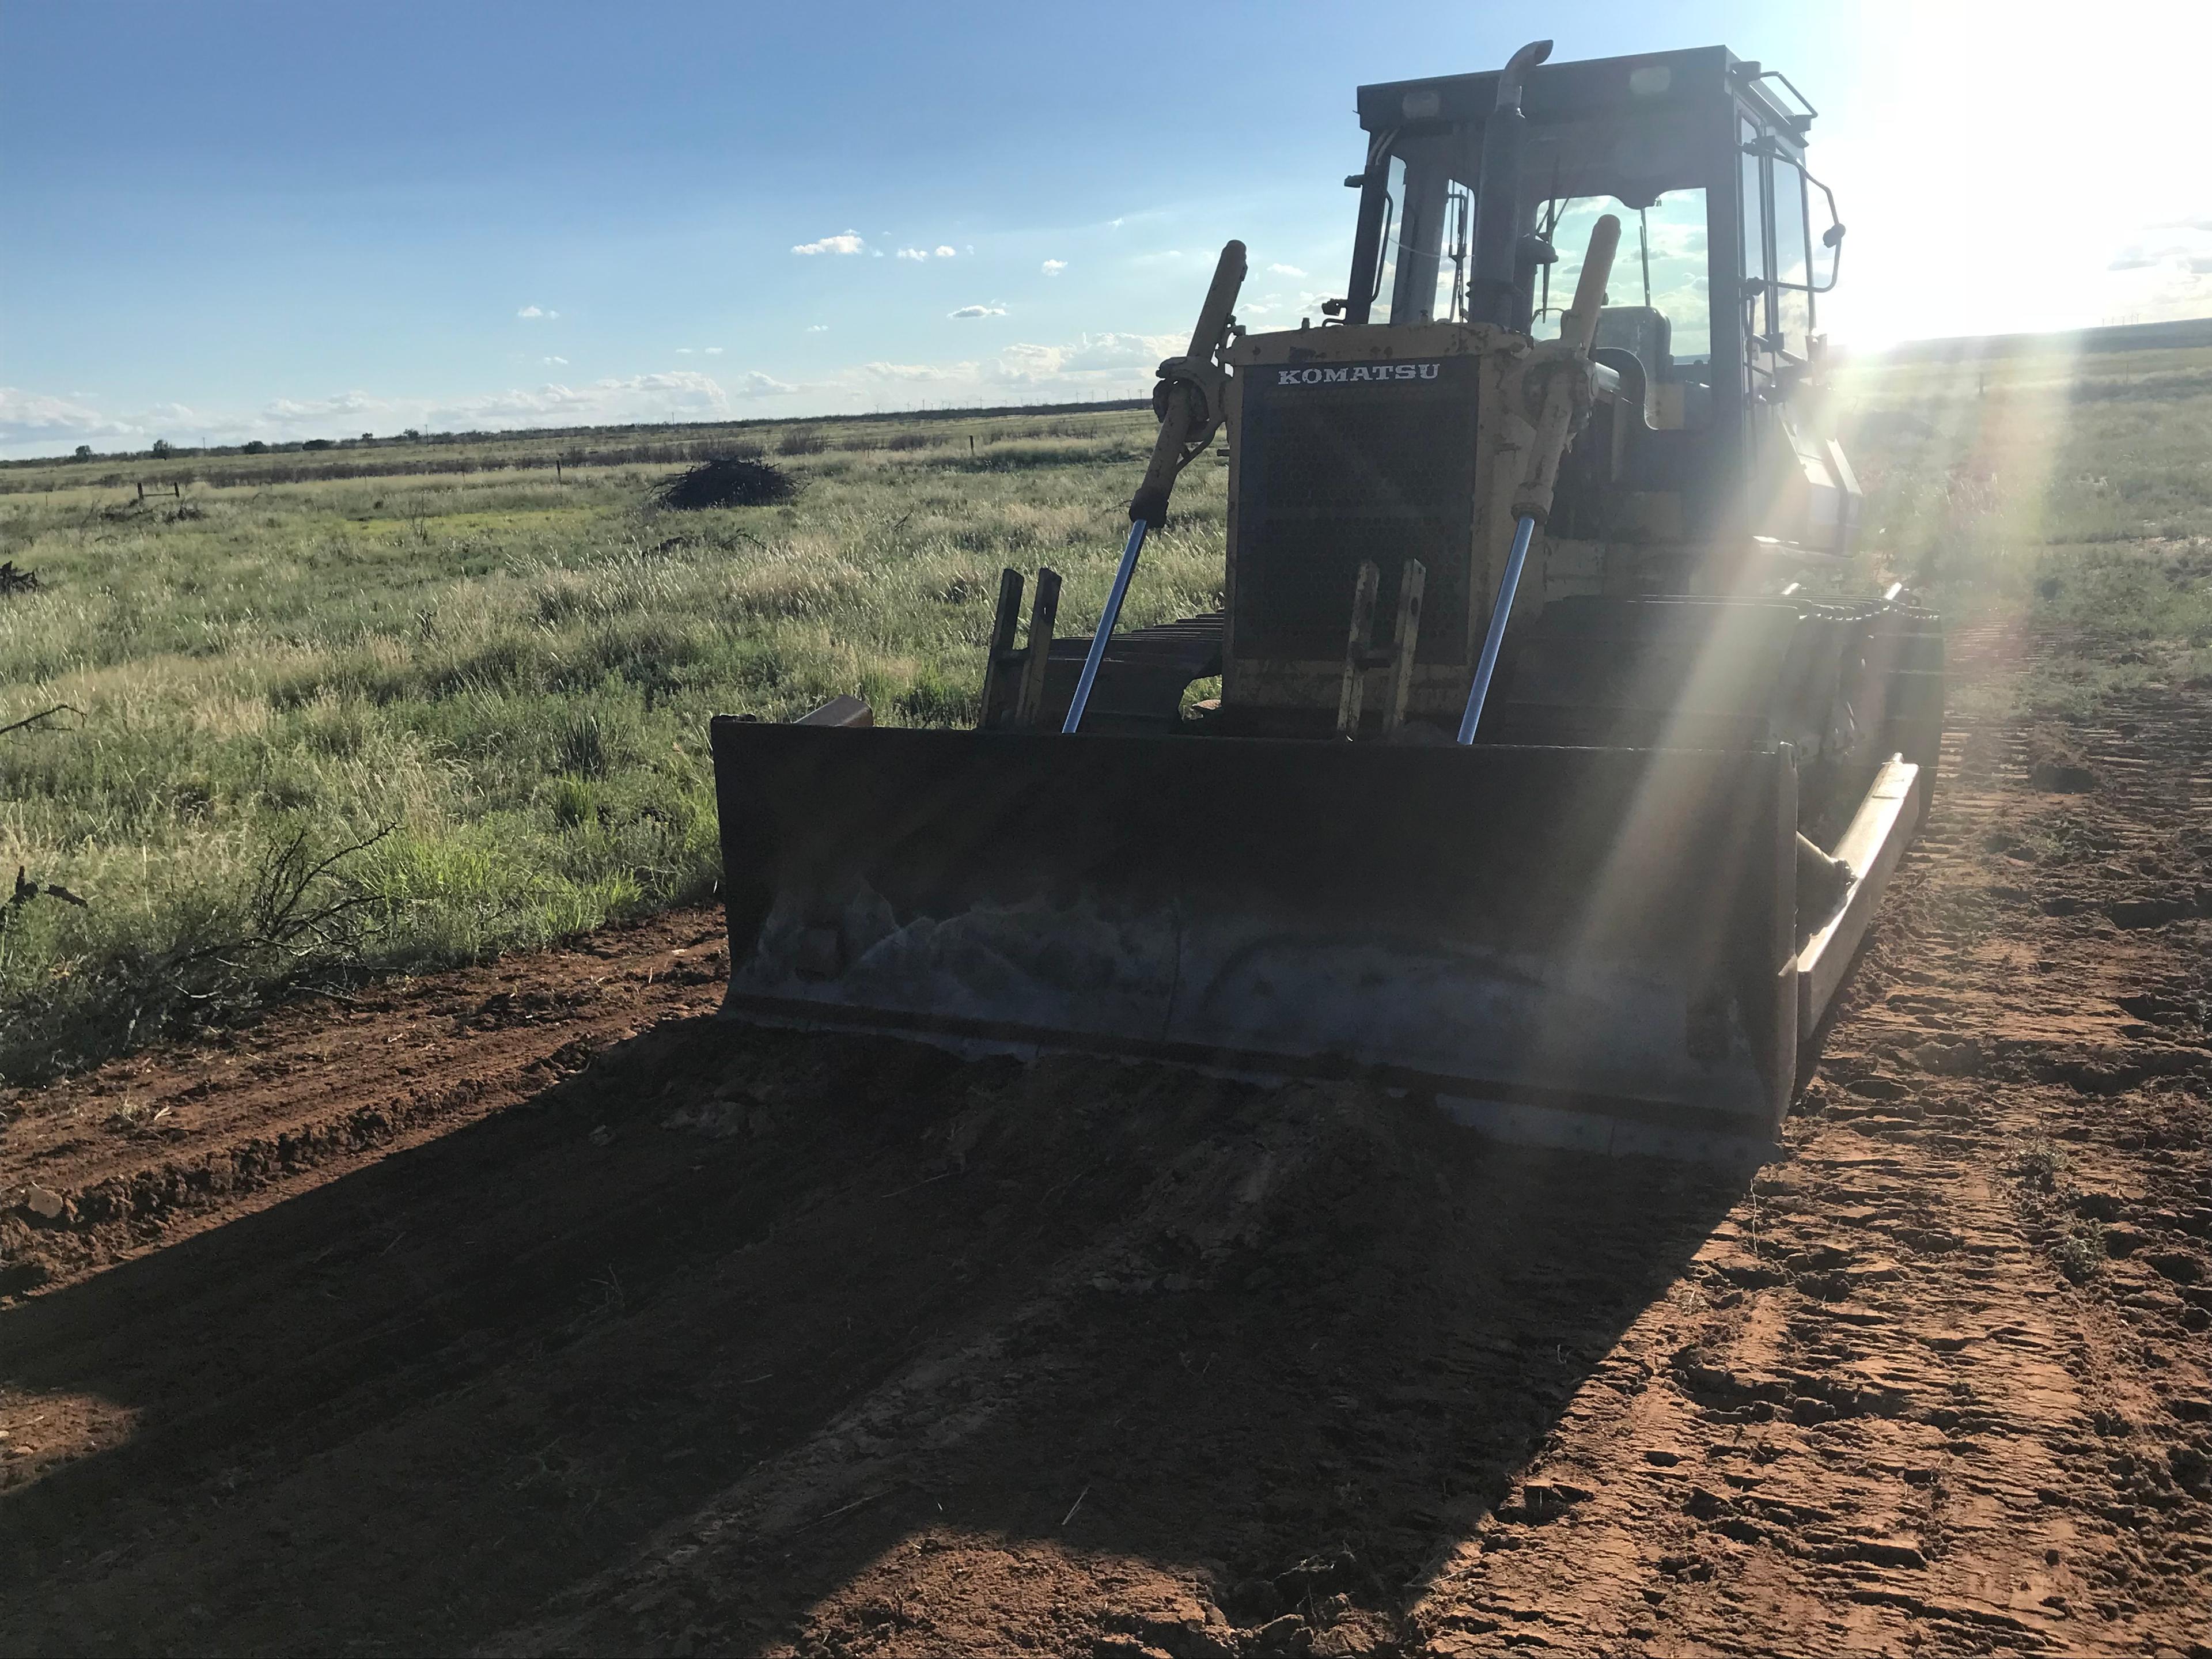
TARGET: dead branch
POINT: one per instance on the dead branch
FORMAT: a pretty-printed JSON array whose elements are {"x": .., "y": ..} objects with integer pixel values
[
  {"x": 30, "y": 720},
  {"x": 281, "y": 920}
]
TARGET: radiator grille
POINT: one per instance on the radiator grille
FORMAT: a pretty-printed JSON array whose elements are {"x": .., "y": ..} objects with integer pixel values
[{"x": 1334, "y": 473}]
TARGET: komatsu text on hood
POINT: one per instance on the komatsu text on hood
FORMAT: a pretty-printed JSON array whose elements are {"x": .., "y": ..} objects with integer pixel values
[{"x": 1352, "y": 373}]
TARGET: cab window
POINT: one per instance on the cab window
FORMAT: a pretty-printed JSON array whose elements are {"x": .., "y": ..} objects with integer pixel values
[
  {"x": 1793, "y": 260},
  {"x": 1386, "y": 268},
  {"x": 1756, "y": 272},
  {"x": 1660, "y": 270}
]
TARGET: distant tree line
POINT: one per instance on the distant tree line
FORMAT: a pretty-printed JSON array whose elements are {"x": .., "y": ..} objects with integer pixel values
[{"x": 163, "y": 450}]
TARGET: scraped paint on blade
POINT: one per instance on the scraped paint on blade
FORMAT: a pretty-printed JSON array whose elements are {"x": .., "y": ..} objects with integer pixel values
[
  {"x": 1562, "y": 925},
  {"x": 1181, "y": 981}
]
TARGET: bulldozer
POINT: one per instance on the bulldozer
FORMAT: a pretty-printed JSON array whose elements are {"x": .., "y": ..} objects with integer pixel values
[{"x": 1562, "y": 751}]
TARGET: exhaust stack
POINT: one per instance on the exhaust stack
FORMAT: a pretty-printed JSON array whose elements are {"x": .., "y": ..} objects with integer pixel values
[{"x": 1493, "y": 288}]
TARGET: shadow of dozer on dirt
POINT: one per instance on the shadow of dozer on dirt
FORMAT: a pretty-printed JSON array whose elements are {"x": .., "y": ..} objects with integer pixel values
[{"x": 728, "y": 1317}]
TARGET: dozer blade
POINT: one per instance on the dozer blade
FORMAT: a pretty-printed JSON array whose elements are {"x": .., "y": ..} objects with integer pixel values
[{"x": 1589, "y": 947}]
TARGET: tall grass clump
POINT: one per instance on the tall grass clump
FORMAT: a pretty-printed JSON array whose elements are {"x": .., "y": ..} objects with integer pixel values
[{"x": 472, "y": 707}]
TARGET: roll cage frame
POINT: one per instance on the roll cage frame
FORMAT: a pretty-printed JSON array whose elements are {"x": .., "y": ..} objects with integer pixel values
[{"x": 1630, "y": 128}]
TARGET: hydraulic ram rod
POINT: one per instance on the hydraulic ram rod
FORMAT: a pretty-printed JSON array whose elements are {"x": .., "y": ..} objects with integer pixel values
[
  {"x": 1523, "y": 533},
  {"x": 1112, "y": 614}
]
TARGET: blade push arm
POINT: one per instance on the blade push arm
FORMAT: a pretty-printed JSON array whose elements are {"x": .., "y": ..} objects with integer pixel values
[
  {"x": 1189, "y": 400},
  {"x": 1562, "y": 379},
  {"x": 1566, "y": 377},
  {"x": 1189, "y": 392}
]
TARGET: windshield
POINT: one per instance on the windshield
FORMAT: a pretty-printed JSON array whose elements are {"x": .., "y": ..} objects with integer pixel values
[
  {"x": 1660, "y": 267},
  {"x": 1421, "y": 208}
]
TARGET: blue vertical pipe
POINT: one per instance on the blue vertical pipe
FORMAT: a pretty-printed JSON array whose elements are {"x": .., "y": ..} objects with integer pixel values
[
  {"x": 1106, "y": 621},
  {"x": 1484, "y": 669}
]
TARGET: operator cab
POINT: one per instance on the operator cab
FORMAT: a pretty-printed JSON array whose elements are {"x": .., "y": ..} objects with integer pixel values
[{"x": 1727, "y": 242}]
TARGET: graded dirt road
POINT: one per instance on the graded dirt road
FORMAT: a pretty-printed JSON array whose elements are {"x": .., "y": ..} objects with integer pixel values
[{"x": 533, "y": 1309}]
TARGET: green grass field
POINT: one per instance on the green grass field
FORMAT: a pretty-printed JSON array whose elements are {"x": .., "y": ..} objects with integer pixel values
[
  {"x": 494, "y": 685},
  {"x": 2074, "y": 495}
]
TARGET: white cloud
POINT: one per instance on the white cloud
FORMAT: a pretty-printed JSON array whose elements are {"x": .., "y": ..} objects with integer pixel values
[
  {"x": 558, "y": 363},
  {"x": 1091, "y": 366},
  {"x": 916, "y": 254},
  {"x": 944, "y": 253},
  {"x": 683, "y": 351},
  {"x": 31, "y": 425},
  {"x": 1275, "y": 305},
  {"x": 993, "y": 310},
  {"x": 845, "y": 241},
  {"x": 534, "y": 312},
  {"x": 1286, "y": 271},
  {"x": 714, "y": 351},
  {"x": 917, "y": 371},
  {"x": 2185, "y": 246},
  {"x": 1054, "y": 267},
  {"x": 1089, "y": 354},
  {"x": 940, "y": 252},
  {"x": 1116, "y": 365},
  {"x": 1071, "y": 369},
  {"x": 343, "y": 403},
  {"x": 2164, "y": 273},
  {"x": 684, "y": 392}
]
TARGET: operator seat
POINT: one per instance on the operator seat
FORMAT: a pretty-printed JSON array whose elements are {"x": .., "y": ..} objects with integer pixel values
[{"x": 1642, "y": 330}]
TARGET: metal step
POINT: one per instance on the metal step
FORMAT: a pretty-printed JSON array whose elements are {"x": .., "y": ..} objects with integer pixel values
[{"x": 1143, "y": 677}]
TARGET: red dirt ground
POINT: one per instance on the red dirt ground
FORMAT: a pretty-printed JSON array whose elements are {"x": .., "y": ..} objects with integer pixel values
[{"x": 530, "y": 1309}]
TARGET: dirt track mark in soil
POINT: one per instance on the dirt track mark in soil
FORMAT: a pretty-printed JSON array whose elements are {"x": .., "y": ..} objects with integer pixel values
[
  {"x": 1896, "y": 1400},
  {"x": 1873, "y": 1410},
  {"x": 755, "y": 1342},
  {"x": 864, "y": 1283},
  {"x": 147, "y": 1151}
]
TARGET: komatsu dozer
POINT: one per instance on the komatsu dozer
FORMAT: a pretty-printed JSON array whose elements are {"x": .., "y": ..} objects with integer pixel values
[{"x": 1555, "y": 770}]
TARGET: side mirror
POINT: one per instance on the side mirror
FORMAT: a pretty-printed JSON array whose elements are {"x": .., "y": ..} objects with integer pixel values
[{"x": 1830, "y": 239}]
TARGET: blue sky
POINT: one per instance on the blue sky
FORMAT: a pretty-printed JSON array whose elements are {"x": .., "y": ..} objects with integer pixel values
[{"x": 221, "y": 219}]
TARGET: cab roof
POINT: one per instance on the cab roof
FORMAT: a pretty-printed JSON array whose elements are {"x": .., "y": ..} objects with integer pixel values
[{"x": 1596, "y": 86}]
